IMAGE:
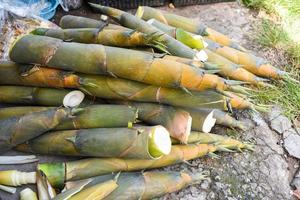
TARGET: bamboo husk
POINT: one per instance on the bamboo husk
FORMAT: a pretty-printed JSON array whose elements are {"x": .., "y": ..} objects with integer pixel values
[
  {"x": 148, "y": 185},
  {"x": 44, "y": 188},
  {"x": 94, "y": 116},
  {"x": 128, "y": 20},
  {"x": 98, "y": 59},
  {"x": 93, "y": 190},
  {"x": 17, "y": 130},
  {"x": 103, "y": 142},
  {"x": 118, "y": 37},
  {"x": 58, "y": 173},
  {"x": 187, "y": 24}
]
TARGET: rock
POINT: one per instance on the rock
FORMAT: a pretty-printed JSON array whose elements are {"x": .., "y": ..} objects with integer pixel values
[
  {"x": 281, "y": 124},
  {"x": 274, "y": 113},
  {"x": 292, "y": 145},
  {"x": 289, "y": 132},
  {"x": 296, "y": 181}
]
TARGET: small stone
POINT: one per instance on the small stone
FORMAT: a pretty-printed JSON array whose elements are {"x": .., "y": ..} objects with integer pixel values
[
  {"x": 205, "y": 185},
  {"x": 281, "y": 124},
  {"x": 292, "y": 145},
  {"x": 217, "y": 178}
]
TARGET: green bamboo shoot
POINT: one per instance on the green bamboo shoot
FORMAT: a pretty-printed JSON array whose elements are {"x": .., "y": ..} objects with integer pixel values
[
  {"x": 97, "y": 59},
  {"x": 148, "y": 185},
  {"x": 37, "y": 96},
  {"x": 106, "y": 36},
  {"x": 59, "y": 173},
  {"x": 94, "y": 116},
  {"x": 139, "y": 143},
  {"x": 128, "y": 20},
  {"x": 176, "y": 121},
  {"x": 227, "y": 68},
  {"x": 187, "y": 24},
  {"x": 17, "y": 130},
  {"x": 71, "y": 21}
]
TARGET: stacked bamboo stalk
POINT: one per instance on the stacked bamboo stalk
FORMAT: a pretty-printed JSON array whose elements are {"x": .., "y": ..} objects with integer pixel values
[{"x": 91, "y": 89}]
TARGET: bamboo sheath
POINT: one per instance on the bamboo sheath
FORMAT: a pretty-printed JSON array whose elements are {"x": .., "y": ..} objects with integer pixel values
[
  {"x": 187, "y": 24},
  {"x": 59, "y": 173},
  {"x": 95, "y": 190},
  {"x": 100, "y": 142}
]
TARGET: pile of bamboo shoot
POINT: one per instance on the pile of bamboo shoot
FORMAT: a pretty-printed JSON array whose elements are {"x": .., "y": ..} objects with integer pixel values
[{"x": 139, "y": 95}]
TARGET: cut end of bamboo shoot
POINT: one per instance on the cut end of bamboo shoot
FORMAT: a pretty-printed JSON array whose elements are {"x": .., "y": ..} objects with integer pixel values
[
  {"x": 73, "y": 99},
  {"x": 28, "y": 194},
  {"x": 209, "y": 122},
  {"x": 159, "y": 142},
  {"x": 201, "y": 56}
]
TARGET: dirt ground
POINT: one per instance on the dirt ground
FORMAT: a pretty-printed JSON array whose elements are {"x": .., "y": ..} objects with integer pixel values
[{"x": 264, "y": 174}]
